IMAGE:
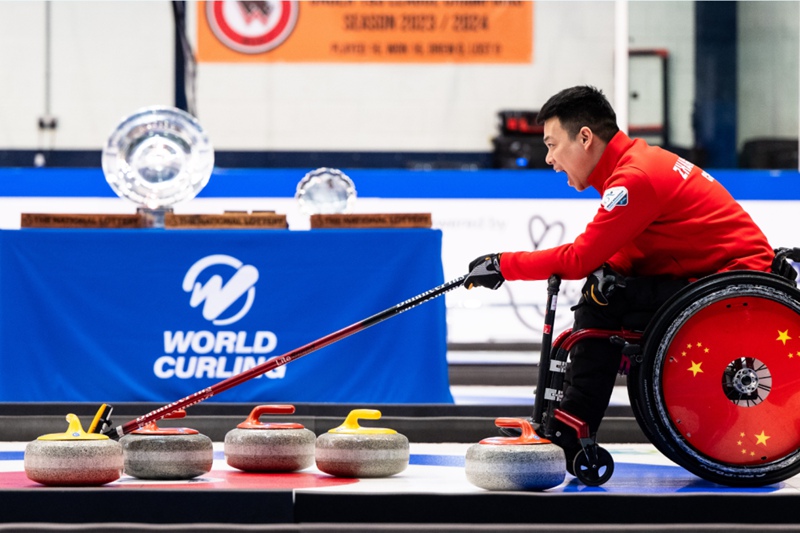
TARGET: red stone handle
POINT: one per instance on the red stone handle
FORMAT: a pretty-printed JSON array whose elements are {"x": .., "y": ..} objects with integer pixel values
[{"x": 253, "y": 421}]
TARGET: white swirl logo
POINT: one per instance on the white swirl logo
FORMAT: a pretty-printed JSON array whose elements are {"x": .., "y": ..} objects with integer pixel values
[{"x": 217, "y": 297}]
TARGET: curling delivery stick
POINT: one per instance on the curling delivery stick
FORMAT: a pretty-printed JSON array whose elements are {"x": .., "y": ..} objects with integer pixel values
[{"x": 280, "y": 360}]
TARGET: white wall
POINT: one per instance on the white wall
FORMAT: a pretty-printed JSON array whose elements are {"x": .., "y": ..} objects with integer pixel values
[
  {"x": 21, "y": 72},
  {"x": 767, "y": 73},
  {"x": 668, "y": 25},
  {"x": 110, "y": 58},
  {"x": 107, "y": 59}
]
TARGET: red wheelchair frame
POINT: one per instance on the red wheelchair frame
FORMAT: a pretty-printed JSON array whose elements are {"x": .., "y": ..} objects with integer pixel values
[{"x": 713, "y": 382}]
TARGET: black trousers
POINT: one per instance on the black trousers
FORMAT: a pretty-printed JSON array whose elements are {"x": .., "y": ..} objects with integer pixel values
[{"x": 594, "y": 363}]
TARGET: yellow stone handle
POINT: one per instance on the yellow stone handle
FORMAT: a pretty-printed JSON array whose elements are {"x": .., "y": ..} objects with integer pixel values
[
  {"x": 74, "y": 432},
  {"x": 351, "y": 427}
]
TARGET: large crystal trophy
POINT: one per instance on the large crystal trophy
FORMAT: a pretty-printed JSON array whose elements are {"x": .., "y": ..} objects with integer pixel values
[
  {"x": 326, "y": 191},
  {"x": 156, "y": 158}
]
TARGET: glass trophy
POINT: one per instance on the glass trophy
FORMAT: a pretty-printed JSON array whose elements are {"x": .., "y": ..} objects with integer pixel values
[
  {"x": 326, "y": 191},
  {"x": 156, "y": 158}
]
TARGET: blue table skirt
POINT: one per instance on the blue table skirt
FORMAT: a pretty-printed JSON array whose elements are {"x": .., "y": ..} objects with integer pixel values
[{"x": 155, "y": 315}]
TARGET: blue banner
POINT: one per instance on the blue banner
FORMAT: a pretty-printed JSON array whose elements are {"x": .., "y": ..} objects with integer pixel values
[
  {"x": 155, "y": 315},
  {"x": 383, "y": 183}
]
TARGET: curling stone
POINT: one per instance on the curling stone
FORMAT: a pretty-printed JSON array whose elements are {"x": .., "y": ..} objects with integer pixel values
[
  {"x": 353, "y": 451},
  {"x": 74, "y": 458},
  {"x": 254, "y": 446},
  {"x": 527, "y": 462},
  {"x": 152, "y": 452}
]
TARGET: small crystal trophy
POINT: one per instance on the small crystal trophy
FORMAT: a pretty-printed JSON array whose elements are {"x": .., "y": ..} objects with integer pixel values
[
  {"x": 326, "y": 191},
  {"x": 156, "y": 158}
]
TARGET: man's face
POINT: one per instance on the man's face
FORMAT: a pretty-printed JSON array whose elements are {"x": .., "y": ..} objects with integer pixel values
[{"x": 571, "y": 156}]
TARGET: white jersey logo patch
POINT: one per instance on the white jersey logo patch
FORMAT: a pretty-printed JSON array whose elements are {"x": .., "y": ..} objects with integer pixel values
[{"x": 615, "y": 196}]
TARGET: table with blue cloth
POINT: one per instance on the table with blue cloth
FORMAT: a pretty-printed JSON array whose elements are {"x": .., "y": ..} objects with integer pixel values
[{"x": 153, "y": 315}]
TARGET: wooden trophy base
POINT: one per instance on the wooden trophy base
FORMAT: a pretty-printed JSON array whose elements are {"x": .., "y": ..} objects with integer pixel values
[
  {"x": 227, "y": 220},
  {"x": 377, "y": 220},
  {"x": 75, "y": 220}
]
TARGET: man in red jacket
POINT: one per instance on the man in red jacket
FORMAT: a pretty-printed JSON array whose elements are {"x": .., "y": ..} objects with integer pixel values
[{"x": 662, "y": 223}]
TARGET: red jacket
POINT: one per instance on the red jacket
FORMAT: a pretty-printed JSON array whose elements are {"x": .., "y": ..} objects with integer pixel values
[{"x": 660, "y": 215}]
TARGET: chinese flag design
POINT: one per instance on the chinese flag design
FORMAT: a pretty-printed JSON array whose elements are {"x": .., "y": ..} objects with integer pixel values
[{"x": 751, "y": 339}]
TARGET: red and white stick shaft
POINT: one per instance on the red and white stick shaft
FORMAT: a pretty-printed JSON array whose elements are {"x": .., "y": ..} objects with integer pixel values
[{"x": 280, "y": 360}]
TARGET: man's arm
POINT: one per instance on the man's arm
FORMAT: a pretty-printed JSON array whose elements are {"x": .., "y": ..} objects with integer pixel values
[{"x": 616, "y": 223}]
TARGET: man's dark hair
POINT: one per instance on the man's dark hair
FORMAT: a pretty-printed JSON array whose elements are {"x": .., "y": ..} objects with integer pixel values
[{"x": 581, "y": 106}]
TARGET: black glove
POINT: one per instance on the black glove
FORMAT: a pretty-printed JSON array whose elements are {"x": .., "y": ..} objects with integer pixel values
[
  {"x": 601, "y": 284},
  {"x": 781, "y": 265},
  {"x": 485, "y": 271}
]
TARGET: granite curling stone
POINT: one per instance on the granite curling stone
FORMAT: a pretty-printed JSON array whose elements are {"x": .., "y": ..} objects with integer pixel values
[
  {"x": 527, "y": 462},
  {"x": 174, "y": 453},
  {"x": 254, "y": 446},
  {"x": 74, "y": 458},
  {"x": 364, "y": 452}
]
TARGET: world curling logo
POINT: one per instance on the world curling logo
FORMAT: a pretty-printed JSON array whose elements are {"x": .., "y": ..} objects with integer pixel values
[
  {"x": 252, "y": 27},
  {"x": 224, "y": 301},
  {"x": 217, "y": 297}
]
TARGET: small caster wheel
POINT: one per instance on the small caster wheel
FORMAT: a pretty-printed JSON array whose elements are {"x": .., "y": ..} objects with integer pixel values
[{"x": 595, "y": 474}]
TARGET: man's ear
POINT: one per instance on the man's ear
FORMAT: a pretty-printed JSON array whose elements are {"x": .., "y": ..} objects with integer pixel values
[{"x": 586, "y": 136}]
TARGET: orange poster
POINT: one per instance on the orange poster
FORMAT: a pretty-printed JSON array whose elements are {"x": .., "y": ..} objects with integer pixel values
[{"x": 448, "y": 31}]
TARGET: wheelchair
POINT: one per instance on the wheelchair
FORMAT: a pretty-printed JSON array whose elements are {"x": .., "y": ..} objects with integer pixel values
[{"x": 713, "y": 380}]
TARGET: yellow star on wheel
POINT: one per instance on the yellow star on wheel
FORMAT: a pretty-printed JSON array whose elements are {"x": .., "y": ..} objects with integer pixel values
[
  {"x": 762, "y": 439},
  {"x": 695, "y": 368},
  {"x": 783, "y": 336}
]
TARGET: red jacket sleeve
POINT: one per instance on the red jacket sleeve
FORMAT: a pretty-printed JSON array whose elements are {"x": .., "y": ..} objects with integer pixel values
[{"x": 606, "y": 238}]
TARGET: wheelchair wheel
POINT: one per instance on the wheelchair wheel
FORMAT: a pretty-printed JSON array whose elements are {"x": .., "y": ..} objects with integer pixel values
[{"x": 718, "y": 390}]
